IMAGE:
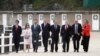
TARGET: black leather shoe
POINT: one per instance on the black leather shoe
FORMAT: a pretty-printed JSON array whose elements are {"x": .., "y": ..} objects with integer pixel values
[
  {"x": 63, "y": 51},
  {"x": 56, "y": 51},
  {"x": 77, "y": 50},
  {"x": 45, "y": 50},
  {"x": 36, "y": 51},
  {"x": 51, "y": 51},
  {"x": 74, "y": 50},
  {"x": 16, "y": 51},
  {"x": 67, "y": 51}
]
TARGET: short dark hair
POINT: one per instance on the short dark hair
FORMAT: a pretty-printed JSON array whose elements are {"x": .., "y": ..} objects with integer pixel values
[{"x": 17, "y": 21}]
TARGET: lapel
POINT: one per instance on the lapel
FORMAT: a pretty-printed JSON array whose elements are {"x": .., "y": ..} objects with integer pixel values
[
  {"x": 65, "y": 28},
  {"x": 33, "y": 26},
  {"x": 74, "y": 26},
  {"x": 44, "y": 25}
]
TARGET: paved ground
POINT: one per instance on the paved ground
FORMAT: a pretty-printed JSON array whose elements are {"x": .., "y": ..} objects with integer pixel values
[{"x": 94, "y": 49}]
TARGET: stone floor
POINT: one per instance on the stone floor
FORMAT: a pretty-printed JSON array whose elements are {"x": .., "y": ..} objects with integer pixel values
[{"x": 94, "y": 49}]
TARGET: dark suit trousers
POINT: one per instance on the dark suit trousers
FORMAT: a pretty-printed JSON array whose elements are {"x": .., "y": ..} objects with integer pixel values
[
  {"x": 76, "y": 40},
  {"x": 86, "y": 42},
  {"x": 35, "y": 45},
  {"x": 66, "y": 41},
  {"x": 54, "y": 42},
  {"x": 16, "y": 44},
  {"x": 45, "y": 42}
]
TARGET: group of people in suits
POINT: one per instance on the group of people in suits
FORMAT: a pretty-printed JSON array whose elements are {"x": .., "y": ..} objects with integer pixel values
[{"x": 67, "y": 31}]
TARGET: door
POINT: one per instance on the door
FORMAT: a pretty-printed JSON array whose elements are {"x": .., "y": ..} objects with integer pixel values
[
  {"x": 52, "y": 17},
  {"x": 4, "y": 19},
  {"x": 64, "y": 18},
  {"x": 30, "y": 19},
  {"x": 95, "y": 22},
  {"x": 78, "y": 17},
  {"x": 19, "y": 17},
  {"x": 41, "y": 18}
]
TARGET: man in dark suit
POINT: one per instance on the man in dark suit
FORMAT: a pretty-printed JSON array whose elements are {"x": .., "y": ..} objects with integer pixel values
[
  {"x": 55, "y": 29},
  {"x": 35, "y": 34},
  {"x": 66, "y": 34},
  {"x": 45, "y": 34},
  {"x": 16, "y": 30},
  {"x": 76, "y": 33}
]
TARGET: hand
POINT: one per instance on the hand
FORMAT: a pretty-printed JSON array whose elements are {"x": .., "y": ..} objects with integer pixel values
[
  {"x": 72, "y": 36},
  {"x": 78, "y": 33}
]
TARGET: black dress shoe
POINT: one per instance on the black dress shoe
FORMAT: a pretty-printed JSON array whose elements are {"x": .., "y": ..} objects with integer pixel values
[
  {"x": 51, "y": 51},
  {"x": 56, "y": 51},
  {"x": 77, "y": 50},
  {"x": 36, "y": 51},
  {"x": 63, "y": 51},
  {"x": 67, "y": 51},
  {"x": 16, "y": 51},
  {"x": 74, "y": 50},
  {"x": 85, "y": 51},
  {"x": 45, "y": 50}
]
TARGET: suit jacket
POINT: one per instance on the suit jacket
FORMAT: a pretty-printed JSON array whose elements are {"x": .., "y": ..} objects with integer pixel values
[
  {"x": 35, "y": 32},
  {"x": 66, "y": 33},
  {"x": 16, "y": 33},
  {"x": 45, "y": 30},
  {"x": 79, "y": 29},
  {"x": 55, "y": 32}
]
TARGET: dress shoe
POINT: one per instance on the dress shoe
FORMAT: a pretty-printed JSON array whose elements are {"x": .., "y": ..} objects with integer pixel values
[
  {"x": 45, "y": 50},
  {"x": 51, "y": 51},
  {"x": 74, "y": 50},
  {"x": 77, "y": 50},
  {"x": 63, "y": 51}
]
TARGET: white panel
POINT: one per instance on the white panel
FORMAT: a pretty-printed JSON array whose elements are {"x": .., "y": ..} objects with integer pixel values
[
  {"x": 64, "y": 18},
  {"x": 41, "y": 18},
  {"x": 95, "y": 21},
  {"x": 52, "y": 17},
  {"x": 30, "y": 19},
  {"x": 79, "y": 18},
  {"x": 4, "y": 19},
  {"x": 19, "y": 17}
]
